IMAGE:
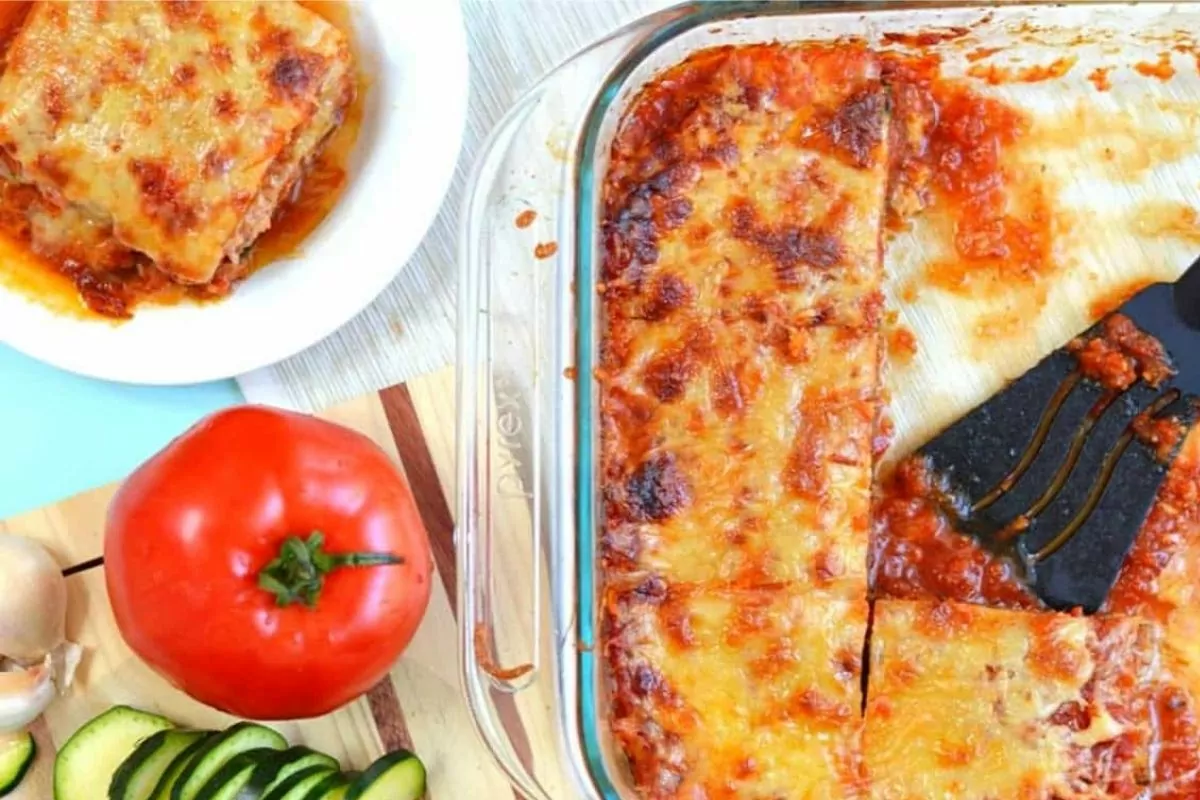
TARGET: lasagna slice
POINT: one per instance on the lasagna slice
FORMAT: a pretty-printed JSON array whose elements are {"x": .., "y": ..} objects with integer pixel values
[
  {"x": 739, "y": 367},
  {"x": 749, "y": 693},
  {"x": 166, "y": 131},
  {"x": 975, "y": 703},
  {"x": 739, "y": 391}
]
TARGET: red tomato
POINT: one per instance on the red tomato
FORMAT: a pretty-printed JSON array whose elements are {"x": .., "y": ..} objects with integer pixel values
[{"x": 215, "y": 580}]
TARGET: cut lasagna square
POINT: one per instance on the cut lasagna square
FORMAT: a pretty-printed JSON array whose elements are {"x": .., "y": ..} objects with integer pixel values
[
  {"x": 749, "y": 693},
  {"x": 975, "y": 703},
  {"x": 739, "y": 369},
  {"x": 739, "y": 396},
  {"x": 172, "y": 130}
]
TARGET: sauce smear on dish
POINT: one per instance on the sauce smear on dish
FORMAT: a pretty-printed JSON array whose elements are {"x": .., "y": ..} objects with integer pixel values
[{"x": 86, "y": 294}]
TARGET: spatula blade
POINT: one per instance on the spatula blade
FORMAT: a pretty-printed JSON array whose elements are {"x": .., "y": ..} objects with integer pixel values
[{"x": 1060, "y": 469}]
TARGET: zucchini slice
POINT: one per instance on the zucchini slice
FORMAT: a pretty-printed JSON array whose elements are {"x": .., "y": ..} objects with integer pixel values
[
  {"x": 219, "y": 751},
  {"x": 270, "y": 773},
  {"x": 84, "y": 767},
  {"x": 333, "y": 787},
  {"x": 298, "y": 785},
  {"x": 229, "y": 780},
  {"x": 139, "y": 775},
  {"x": 16, "y": 756},
  {"x": 162, "y": 790},
  {"x": 396, "y": 776}
]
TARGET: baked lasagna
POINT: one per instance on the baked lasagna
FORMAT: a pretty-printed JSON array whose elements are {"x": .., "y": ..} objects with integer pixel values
[
  {"x": 739, "y": 385},
  {"x": 748, "y": 570},
  {"x": 163, "y": 137}
]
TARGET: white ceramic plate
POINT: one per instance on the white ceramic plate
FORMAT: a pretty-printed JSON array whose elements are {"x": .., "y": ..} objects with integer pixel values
[{"x": 415, "y": 56}]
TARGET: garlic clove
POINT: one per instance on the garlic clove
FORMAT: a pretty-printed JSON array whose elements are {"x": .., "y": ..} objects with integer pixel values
[
  {"x": 62, "y": 662},
  {"x": 24, "y": 694}
]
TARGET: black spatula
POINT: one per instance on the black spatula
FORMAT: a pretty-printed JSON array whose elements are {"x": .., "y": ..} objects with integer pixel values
[{"x": 1059, "y": 471}]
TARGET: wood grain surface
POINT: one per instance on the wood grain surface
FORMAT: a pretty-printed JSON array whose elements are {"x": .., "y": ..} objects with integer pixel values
[{"x": 418, "y": 707}]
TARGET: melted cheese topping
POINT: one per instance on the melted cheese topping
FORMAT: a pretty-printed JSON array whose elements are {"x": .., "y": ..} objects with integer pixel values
[
  {"x": 177, "y": 127},
  {"x": 739, "y": 394},
  {"x": 740, "y": 364},
  {"x": 968, "y": 702},
  {"x": 741, "y": 692}
]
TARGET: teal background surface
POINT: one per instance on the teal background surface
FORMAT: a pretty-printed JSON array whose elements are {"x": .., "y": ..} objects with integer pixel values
[{"x": 61, "y": 434}]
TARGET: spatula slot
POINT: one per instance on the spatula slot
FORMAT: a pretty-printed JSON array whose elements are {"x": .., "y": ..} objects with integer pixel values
[
  {"x": 1035, "y": 445},
  {"x": 1100, "y": 486}
]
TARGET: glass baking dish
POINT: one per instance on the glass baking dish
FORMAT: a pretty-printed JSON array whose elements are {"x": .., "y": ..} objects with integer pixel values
[{"x": 527, "y": 513}]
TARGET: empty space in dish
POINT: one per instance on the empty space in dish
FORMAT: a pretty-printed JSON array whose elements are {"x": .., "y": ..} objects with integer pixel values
[{"x": 1111, "y": 153}]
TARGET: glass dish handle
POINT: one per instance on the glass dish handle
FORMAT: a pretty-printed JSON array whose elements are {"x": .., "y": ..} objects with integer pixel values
[{"x": 514, "y": 341}]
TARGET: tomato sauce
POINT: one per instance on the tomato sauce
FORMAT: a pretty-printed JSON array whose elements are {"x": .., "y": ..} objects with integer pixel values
[
  {"x": 1178, "y": 758},
  {"x": 1036, "y": 73},
  {"x": 1110, "y": 302},
  {"x": 1120, "y": 355},
  {"x": 1099, "y": 78},
  {"x": 1162, "y": 69},
  {"x": 951, "y": 150},
  {"x": 916, "y": 553},
  {"x": 901, "y": 344},
  {"x": 926, "y": 38},
  {"x": 1172, "y": 526}
]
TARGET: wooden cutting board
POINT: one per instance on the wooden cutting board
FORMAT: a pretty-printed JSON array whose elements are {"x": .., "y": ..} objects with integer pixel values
[{"x": 419, "y": 707}]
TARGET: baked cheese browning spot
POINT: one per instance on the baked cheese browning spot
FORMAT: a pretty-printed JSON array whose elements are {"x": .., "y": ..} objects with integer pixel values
[
  {"x": 971, "y": 702},
  {"x": 178, "y": 130},
  {"x": 723, "y": 692},
  {"x": 163, "y": 197},
  {"x": 655, "y": 490},
  {"x": 856, "y": 127},
  {"x": 739, "y": 389}
]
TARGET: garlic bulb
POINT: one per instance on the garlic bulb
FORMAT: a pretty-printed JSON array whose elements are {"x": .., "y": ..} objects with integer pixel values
[
  {"x": 33, "y": 600},
  {"x": 35, "y": 658}
]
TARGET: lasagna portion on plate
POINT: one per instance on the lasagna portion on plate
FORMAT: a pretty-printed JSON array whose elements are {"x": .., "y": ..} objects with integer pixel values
[
  {"x": 162, "y": 137},
  {"x": 739, "y": 394}
]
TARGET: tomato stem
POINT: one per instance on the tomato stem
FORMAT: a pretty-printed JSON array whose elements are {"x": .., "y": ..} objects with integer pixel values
[{"x": 297, "y": 574}]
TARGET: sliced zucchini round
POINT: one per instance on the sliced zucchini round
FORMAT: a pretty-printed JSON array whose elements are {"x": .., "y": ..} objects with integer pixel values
[
  {"x": 162, "y": 790},
  {"x": 139, "y": 774},
  {"x": 298, "y": 785},
  {"x": 333, "y": 787},
  {"x": 84, "y": 767},
  {"x": 219, "y": 751},
  {"x": 396, "y": 776},
  {"x": 16, "y": 756},
  {"x": 229, "y": 780},
  {"x": 270, "y": 773}
]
